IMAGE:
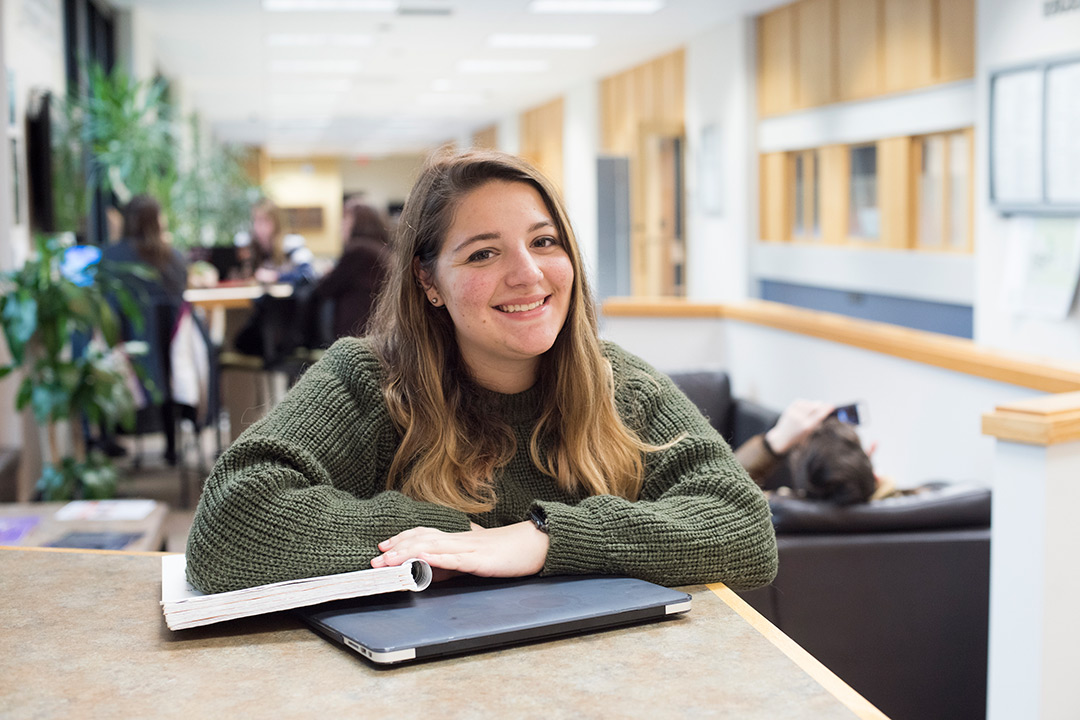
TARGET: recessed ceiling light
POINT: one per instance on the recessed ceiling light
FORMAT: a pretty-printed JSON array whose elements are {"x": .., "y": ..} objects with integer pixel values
[
  {"x": 318, "y": 40},
  {"x": 330, "y": 5},
  {"x": 329, "y": 67},
  {"x": 627, "y": 7},
  {"x": 542, "y": 41},
  {"x": 501, "y": 66}
]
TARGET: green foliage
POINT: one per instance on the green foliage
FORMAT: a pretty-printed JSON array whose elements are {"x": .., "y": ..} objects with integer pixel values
[
  {"x": 212, "y": 199},
  {"x": 131, "y": 138},
  {"x": 120, "y": 136},
  {"x": 93, "y": 479},
  {"x": 53, "y": 298}
]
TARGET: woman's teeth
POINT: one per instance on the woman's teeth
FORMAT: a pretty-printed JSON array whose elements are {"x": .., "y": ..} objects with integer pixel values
[{"x": 521, "y": 308}]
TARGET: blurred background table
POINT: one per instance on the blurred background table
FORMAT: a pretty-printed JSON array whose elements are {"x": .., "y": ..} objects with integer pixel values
[{"x": 137, "y": 524}]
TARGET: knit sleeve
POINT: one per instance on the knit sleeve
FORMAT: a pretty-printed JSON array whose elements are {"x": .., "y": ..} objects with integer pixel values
[
  {"x": 699, "y": 517},
  {"x": 302, "y": 491}
]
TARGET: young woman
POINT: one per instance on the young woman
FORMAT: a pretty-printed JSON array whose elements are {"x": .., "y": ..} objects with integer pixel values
[
  {"x": 144, "y": 241},
  {"x": 482, "y": 426}
]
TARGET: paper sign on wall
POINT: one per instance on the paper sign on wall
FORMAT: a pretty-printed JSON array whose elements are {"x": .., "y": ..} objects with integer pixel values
[{"x": 1042, "y": 264}]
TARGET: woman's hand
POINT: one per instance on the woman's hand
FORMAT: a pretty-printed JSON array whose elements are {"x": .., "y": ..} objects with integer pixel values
[
  {"x": 798, "y": 420},
  {"x": 510, "y": 551}
]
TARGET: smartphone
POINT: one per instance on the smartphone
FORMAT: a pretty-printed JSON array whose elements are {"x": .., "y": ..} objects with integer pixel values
[{"x": 852, "y": 414}]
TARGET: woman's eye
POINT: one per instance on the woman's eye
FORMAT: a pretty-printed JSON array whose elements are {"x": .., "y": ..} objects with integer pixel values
[
  {"x": 480, "y": 255},
  {"x": 545, "y": 241}
]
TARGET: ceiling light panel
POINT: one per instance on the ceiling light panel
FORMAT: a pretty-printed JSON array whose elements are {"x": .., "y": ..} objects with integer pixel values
[
  {"x": 385, "y": 6},
  {"x": 282, "y": 40},
  {"x": 476, "y": 67},
  {"x": 315, "y": 67},
  {"x": 596, "y": 7},
  {"x": 567, "y": 42}
]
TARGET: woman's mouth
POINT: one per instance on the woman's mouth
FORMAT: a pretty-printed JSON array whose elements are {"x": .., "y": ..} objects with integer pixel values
[{"x": 521, "y": 308}]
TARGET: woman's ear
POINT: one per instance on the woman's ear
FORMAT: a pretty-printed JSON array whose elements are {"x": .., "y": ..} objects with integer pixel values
[{"x": 423, "y": 277}]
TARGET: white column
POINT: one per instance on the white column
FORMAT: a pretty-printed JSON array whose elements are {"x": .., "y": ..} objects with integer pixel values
[{"x": 1034, "y": 570}]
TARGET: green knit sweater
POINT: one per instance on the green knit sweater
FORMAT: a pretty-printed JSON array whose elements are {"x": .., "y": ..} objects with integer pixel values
[{"x": 303, "y": 491}]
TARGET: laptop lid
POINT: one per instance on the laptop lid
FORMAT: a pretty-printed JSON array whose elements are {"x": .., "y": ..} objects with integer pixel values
[{"x": 469, "y": 614}]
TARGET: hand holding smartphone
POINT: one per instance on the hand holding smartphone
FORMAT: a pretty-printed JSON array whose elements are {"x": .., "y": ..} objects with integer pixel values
[{"x": 853, "y": 414}]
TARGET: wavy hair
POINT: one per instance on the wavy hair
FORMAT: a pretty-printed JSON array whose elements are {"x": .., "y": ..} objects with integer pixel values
[{"x": 451, "y": 446}]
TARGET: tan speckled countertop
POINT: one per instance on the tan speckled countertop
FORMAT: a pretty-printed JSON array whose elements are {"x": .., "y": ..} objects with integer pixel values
[{"x": 82, "y": 636}]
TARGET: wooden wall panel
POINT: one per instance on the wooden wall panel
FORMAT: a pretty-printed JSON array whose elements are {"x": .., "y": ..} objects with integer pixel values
[
  {"x": 815, "y": 79},
  {"x": 776, "y": 187},
  {"x": 955, "y": 41},
  {"x": 835, "y": 169},
  {"x": 896, "y": 192},
  {"x": 636, "y": 105},
  {"x": 776, "y": 61},
  {"x": 858, "y": 47},
  {"x": 486, "y": 137},
  {"x": 542, "y": 139},
  {"x": 908, "y": 43}
]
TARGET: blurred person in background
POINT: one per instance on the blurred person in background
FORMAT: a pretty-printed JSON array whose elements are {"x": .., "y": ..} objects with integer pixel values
[
  {"x": 145, "y": 241},
  {"x": 356, "y": 279}
]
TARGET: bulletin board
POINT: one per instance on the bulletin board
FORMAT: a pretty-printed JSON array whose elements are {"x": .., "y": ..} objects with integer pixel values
[{"x": 1035, "y": 138}]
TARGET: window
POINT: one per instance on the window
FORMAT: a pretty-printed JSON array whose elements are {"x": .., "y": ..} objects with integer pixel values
[
  {"x": 864, "y": 222},
  {"x": 806, "y": 218},
  {"x": 943, "y": 198}
]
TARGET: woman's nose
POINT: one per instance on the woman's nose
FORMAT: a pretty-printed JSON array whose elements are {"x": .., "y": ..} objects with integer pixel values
[{"x": 524, "y": 268}]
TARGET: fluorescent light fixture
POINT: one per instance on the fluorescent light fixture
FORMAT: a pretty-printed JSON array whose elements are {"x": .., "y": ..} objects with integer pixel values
[
  {"x": 330, "y": 5},
  {"x": 450, "y": 99},
  {"x": 318, "y": 40},
  {"x": 596, "y": 7},
  {"x": 475, "y": 67},
  {"x": 311, "y": 86},
  {"x": 327, "y": 67},
  {"x": 301, "y": 123},
  {"x": 569, "y": 42}
]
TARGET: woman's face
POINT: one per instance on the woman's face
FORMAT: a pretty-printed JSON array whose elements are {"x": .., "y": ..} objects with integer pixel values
[{"x": 505, "y": 277}]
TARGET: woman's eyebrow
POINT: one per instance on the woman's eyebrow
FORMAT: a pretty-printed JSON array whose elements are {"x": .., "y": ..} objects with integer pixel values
[{"x": 482, "y": 237}]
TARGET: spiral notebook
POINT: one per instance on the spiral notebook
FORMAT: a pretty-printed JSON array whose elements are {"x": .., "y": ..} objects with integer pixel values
[{"x": 473, "y": 614}]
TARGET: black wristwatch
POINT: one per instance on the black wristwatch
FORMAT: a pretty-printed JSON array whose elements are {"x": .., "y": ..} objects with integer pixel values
[{"x": 539, "y": 518}]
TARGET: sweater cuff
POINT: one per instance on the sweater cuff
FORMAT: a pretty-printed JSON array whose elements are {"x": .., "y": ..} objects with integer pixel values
[
  {"x": 440, "y": 517},
  {"x": 576, "y": 543}
]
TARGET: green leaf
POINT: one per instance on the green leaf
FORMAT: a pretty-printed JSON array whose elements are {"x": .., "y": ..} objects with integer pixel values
[{"x": 20, "y": 319}]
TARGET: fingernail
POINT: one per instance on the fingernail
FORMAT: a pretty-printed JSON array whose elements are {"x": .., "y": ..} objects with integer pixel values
[{"x": 390, "y": 554}]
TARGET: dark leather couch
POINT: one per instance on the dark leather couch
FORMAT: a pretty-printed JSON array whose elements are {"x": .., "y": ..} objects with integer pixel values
[{"x": 892, "y": 596}]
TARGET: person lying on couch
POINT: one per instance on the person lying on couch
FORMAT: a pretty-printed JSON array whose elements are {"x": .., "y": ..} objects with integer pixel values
[{"x": 825, "y": 456}]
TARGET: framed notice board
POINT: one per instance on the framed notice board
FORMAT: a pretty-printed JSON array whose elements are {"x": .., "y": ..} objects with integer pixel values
[{"x": 1035, "y": 138}]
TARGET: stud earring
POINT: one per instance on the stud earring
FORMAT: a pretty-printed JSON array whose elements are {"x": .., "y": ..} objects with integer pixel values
[{"x": 434, "y": 300}]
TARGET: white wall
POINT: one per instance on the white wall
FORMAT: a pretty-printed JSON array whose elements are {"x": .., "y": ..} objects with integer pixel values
[
  {"x": 34, "y": 56},
  {"x": 720, "y": 95},
  {"x": 925, "y": 420},
  {"x": 581, "y": 147},
  {"x": 1010, "y": 32},
  {"x": 10, "y": 434}
]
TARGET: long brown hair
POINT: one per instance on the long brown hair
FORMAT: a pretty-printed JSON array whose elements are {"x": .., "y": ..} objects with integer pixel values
[
  {"x": 450, "y": 445},
  {"x": 276, "y": 254},
  {"x": 366, "y": 223},
  {"x": 142, "y": 225}
]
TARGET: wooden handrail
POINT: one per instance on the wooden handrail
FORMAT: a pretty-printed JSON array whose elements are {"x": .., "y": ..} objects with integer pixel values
[
  {"x": 951, "y": 353},
  {"x": 1045, "y": 420}
]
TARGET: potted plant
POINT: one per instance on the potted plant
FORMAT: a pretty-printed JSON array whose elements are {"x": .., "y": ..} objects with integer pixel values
[{"x": 63, "y": 293}]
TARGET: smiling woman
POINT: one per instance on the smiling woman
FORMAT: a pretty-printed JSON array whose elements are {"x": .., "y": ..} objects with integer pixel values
[{"x": 482, "y": 426}]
